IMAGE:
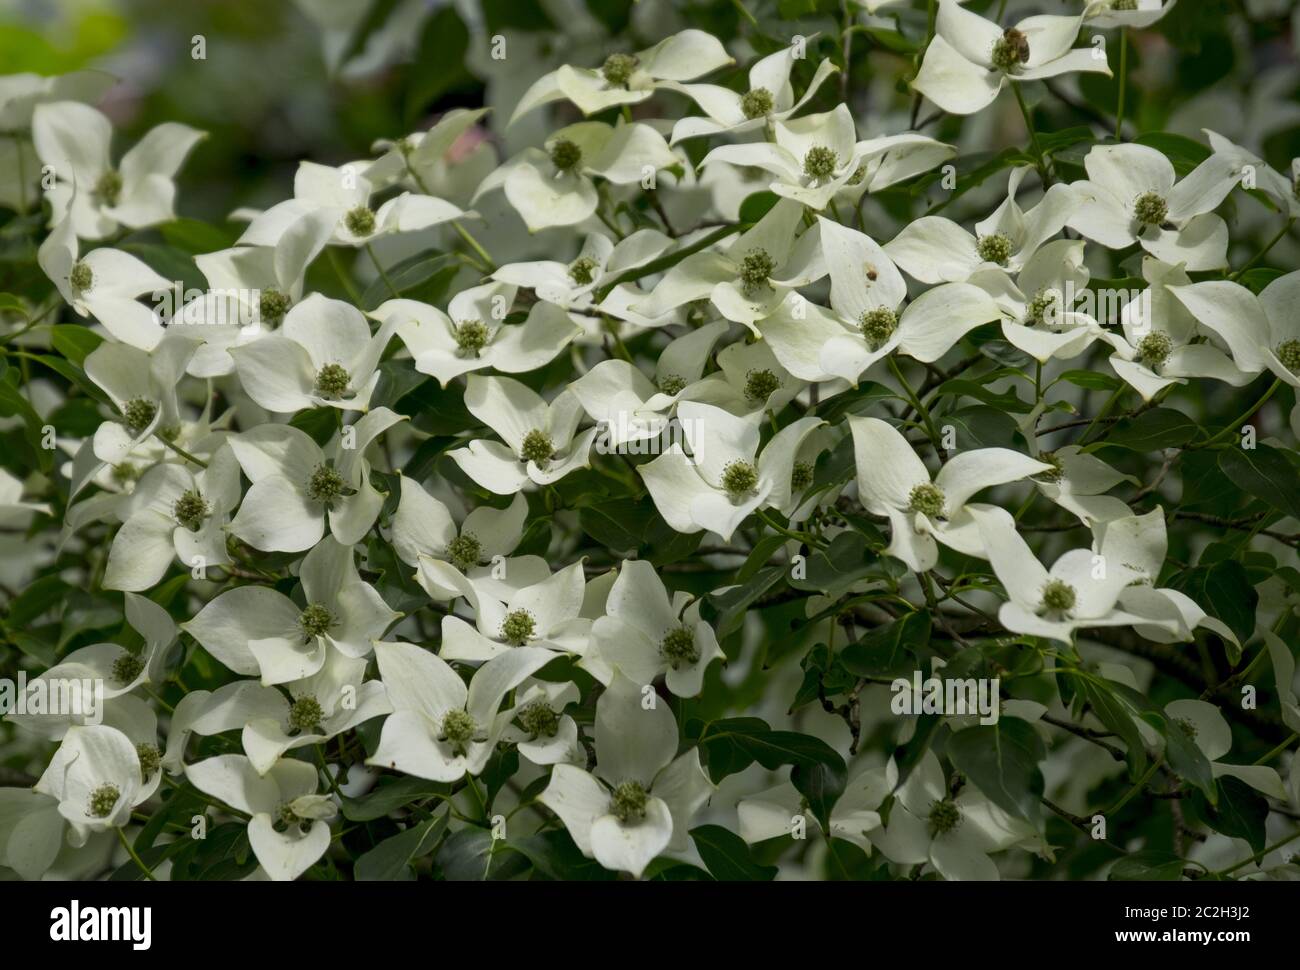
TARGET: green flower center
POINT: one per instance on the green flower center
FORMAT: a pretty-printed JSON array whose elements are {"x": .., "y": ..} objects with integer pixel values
[
  {"x": 1150, "y": 209},
  {"x": 995, "y": 248},
  {"x": 325, "y": 484},
  {"x": 537, "y": 448},
  {"x": 332, "y": 381},
  {"x": 109, "y": 187},
  {"x": 1010, "y": 49},
  {"x": 150, "y": 760},
  {"x": 465, "y": 551},
  {"x": 618, "y": 69},
  {"x": 102, "y": 801},
  {"x": 127, "y": 667},
  {"x": 679, "y": 649},
  {"x": 760, "y": 385},
  {"x": 139, "y": 413},
  {"x": 305, "y": 714},
  {"x": 1055, "y": 472},
  {"x": 286, "y": 818},
  {"x": 190, "y": 510},
  {"x": 878, "y": 325},
  {"x": 802, "y": 475},
  {"x": 82, "y": 276},
  {"x": 315, "y": 620},
  {"x": 944, "y": 816},
  {"x": 565, "y": 155},
  {"x": 583, "y": 271},
  {"x": 1039, "y": 308},
  {"x": 1187, "y": 727},
  {"x": 739, "y": 478},
  {"x": 928, "y": 499},
  {"x": 672, "y": 384},
  {"x": 539, "y": 720},
  {"x": 755, "y": 269},
  {"x": 1123, "y": 4},
  {"x": 1059, "y": 596},
  {"x": 125, "y": 472},
  {"x": 629, "y": 802},
  {"x": 1289, "y": 354},
  {"x": 1154, "y": 349},
  {"x": 820, "y": 163},
  {"x": 272, "y": 305},
  {"x": 360, "y": 221},
  {"x": 471, "y": 337},
  {"x": 518, "y": 627},
  {"x": 458, "y": 728},
  {"x": 757, "y": 103}
]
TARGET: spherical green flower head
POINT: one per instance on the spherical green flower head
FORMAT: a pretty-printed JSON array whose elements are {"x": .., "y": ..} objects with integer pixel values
[
  {"x": 471, "y": 337},
  {"x": 1150, "y": 209},
  {"x": 127, "y": 667},
  {"x": 360, "y": 221},
  {"x": 757, "y": 103},
  {"x": 537, "y": 447},
  {"x": 628, "y": 803},
  {"x": 820, "y": 163},
  {"x": 672, "y": 384},
  {"x": 518, "y": 627},
  {"x": 139, "y": 414},
  {"x": 191, "y": 509},
  {"x": 618, "y": 69},
  {"x": 1039, "y": 308},
  {"x": 305, "y": 714},
  {"x": 1054, "y": 473},
  {"x": 1289, "y": 355},
  {"x": 1154, "y": 349},
  {"x": 739, "y": 479},
  {"x": 272, "y": 305},
  {"x": 82, "y": 277},
  {"x": 1010, "y": 50},
  {"x": 325, "y": 484},
  {"x": 286, "y": 818},
  {"x": 928, "y": 499},
  {"x": 103, "y": 800},
  {"x": 108, "y": 189},
  {"x": 760, "y": 385},
  {"x": 565, "y": 155},
  {"x": 458, "y": 729},
  {"x": 315, "y": 620},
  {"x": 583, "y": 271},
  {"x": 1123, "y": 4},
  {"x": 944, "y": 816},
  {"x": 1059, "y": 596},
  {"x": 539, "y": 720},
  {"x": 755, "y": 269},
  {"x": 150, "y": 760},
  {"x": 996, "y": 248},
  {"x": 332, "y": 381},
  {"x": 465, "y": 551},
  {"x": 878, "y": 325},
  {"x": 801, "y": 476},
  {"x": 679, "y": 649}
]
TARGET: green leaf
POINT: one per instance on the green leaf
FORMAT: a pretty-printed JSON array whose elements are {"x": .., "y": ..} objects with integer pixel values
[
  {"x": 473, "y": 855},
  {"x": 424, "y": 276},
  {"x": 391, "y": 859},
  {"x": 821, "y": 784},
  {"x": 1150, "y": 865},
  {"x": 1153, "y": 430},
  {"x": 1265, "y": 473},
  {"x": 555, "y": 856},
  {"x": 388, "y": 798},
  {"x": 1223, "y": 590},
  {"x": 728, "y": 857},
  {"x": 1002, "y": 761},
  {"x": 1091, "y": 380},
  {"x": 1185, "y": 758},
  {"x": 729, "y": 607},
  {"x": 890, "y": 649},
  {"x": 1241, "y": 813},
  {"x": 733, "y": 744}
]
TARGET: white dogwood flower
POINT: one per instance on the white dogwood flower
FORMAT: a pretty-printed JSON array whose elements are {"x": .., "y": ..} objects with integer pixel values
[
  {"x": 423, "y": 527},
  {"x": 542, "y": 442},
  {"x": 440, "y": 729},
  {"x": 894, "y": 482},
  {"x": 971, "y": 59},
  {"x": 544, "y": 734},
  {"x": 640, "y": 801},
  {"x": 96, "y": 777},
  {"x": 288, "y": 828},
  {"x": 773, "y": 813},
  {"x": 725, "y": 478},
  {"x": 98, "y": 197},
  {"x": 258, "y": 630}
]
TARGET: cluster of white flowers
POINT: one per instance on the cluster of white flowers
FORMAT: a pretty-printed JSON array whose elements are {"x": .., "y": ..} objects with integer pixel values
[{"x": 385, "y": 575}]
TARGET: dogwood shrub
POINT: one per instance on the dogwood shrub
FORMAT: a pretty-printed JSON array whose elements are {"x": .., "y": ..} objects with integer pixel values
[{"x": 775, "y": 438}]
